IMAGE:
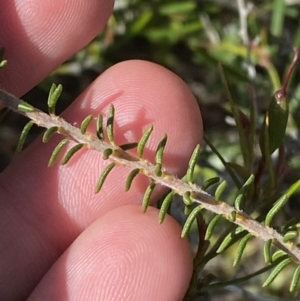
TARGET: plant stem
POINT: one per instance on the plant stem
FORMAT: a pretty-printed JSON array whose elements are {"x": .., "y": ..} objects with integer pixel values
[{"x": 166, "y": 179}]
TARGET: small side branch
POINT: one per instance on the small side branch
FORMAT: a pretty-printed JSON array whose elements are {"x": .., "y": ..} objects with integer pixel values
[{"x": 244, "y": 10}]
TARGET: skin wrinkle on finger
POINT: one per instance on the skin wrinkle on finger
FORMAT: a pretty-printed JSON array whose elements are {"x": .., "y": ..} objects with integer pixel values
[
  {"x": 54, "y": 202},
  {"x": 39, "y": 35},
  {"x": 124, "y": 255}
]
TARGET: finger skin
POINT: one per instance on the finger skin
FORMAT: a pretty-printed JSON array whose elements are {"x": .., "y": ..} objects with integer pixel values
[
  {"x": 45, "y": 209},
  {"x": 39, "y": 35},
  {"x": 124, "y": 255}
]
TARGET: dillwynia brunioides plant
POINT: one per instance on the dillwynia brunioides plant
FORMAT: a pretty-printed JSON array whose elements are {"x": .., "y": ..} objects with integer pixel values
[{"x": 254, "y": 208}]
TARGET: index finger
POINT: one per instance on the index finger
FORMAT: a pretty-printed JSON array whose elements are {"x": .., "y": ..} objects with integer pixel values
[{"x": 39, "y": 35}]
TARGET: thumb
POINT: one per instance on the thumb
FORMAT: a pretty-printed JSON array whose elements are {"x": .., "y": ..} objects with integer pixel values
[{"x": 124, "y": 255}]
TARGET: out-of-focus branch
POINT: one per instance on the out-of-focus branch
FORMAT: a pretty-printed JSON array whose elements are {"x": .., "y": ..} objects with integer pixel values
[{"x": 244, "y": 10}]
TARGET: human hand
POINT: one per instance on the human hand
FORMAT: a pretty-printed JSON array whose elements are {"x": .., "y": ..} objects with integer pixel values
[{"x": 60, "y": 241}]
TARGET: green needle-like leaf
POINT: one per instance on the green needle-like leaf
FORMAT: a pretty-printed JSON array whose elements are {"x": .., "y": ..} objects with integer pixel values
[
  {"x": 295, "y": 280},
  {"x": 160, "y": 149},
  {"x": 229, "y": 239},
  {"x": 211, "y": 226},
  {"x": 226, "y": 243},
  {"x": 281, "y": 202},
  {"x": 232, "y": 216},
  {"x": 220, "y": 189},
  {"x": 241, "y": 248},
  {"x": 71, "y": 152},
  {"x": 192, "y": 164},
  {"x": 103, "y": 176},
  {"x": 143, "y": 141},
  {"x": 158, "y": 169},
  {"x": 292, "y": 234},
  {"x": 99, "y": 127},
  {"x": 128, "y": 146},
  {"x": 25, "y": 107},
  {"x": 85, "y": 123},
  {"x": 23, "y": 135},
  {"x": 243, "y": 191},
  {"x": 190, "y": 220},
  {"x": 210, "y": 182},
  {"x": 276, "y": 271},
  {"x": 56, "y": 151},
  {"x": 49, "y": 133},
  {"x": 110, "y": 124},
  {"x": 54, "y": 94},
  {"x": 106, "y": 153},
  {"x": 147, "y": 195},
  {"x": 278, "y": 254},
  {"x": 131, "y": 177},
  {"x": 187, "y": 198},
  {"x": 267, "y": 251},
  {"x": 165, "y": 206}
]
